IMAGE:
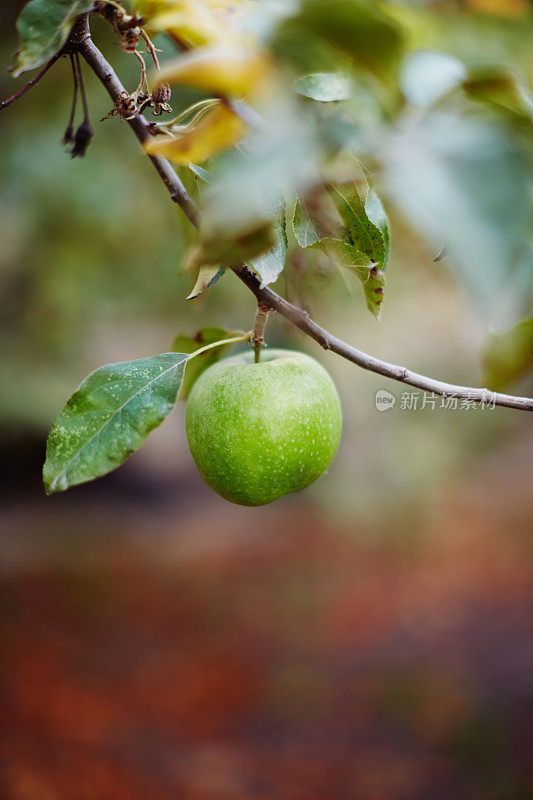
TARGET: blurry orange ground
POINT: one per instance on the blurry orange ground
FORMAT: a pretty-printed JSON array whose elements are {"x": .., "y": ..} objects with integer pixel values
[{"x": 230, "y": 654}]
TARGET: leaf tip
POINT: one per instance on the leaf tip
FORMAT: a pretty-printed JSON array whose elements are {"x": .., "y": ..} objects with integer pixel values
[{"x": 52, "y": 483}]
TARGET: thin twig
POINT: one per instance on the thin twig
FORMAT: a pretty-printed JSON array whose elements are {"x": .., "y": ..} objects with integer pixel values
[
  {"x": 33, "y": 82},
  {"x": 105, "y": 73},
  {"x": 151, "y": 49},
  {"x": 143, "y": 79}
]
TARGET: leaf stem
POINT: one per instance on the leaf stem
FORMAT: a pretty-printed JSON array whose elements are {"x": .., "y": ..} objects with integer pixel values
[{"x": 244, "y": 338}]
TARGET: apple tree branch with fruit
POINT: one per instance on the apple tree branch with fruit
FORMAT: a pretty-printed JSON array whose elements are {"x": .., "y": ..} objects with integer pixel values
[{"x": 295, "y": 100}]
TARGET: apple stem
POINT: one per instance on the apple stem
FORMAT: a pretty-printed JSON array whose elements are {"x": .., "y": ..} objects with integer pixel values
[{"x": 260, "y": 321}]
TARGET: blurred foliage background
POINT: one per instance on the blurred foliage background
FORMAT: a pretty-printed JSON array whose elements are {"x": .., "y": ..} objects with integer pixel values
[{"x": 366, "y": 639}]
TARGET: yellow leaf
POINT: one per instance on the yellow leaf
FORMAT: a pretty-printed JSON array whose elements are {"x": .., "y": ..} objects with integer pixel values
[
  {"x": 219, "y": 71},
  {"x": 504, "y": 8},
  {"x": 218, "y": 130},
  {"x": 195, "y": 23}
]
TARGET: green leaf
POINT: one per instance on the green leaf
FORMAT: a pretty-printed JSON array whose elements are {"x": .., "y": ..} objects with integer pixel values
[
  {"x": 264, "y": 247},
  {"x": 362, "y": 247},
  {"x": 326, "y": 87},
  {"x": 378, "y": 217},
  {"x": 465, "y": 182},
  {"x": 109, "y": 417},
  {"x": 200, "y": 172},
  {"x": 43, "y": 27},
  {"x": 500, "y": 89},
  {"x": 365, "y": 235},
  {"x": 507, "y": 357},
  {"x": 366, "y": 240},
  {"x": 207, "y": 277},
  {"x": 428, "y": 76},
  {"x": 269, "y": 265},
  {"x": 197, "y": 365},
  {"x": 305, "y": 228},
  {"x": 351, "y": 258},
  {"x": 358, "y": 29},
  {"x": 220, "y": 250},
  {"x": 280, "y": 156}
]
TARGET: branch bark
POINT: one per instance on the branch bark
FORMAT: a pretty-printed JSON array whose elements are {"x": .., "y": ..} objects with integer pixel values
[
  {"x": 265, "y": 296},
  {"x": 140, "y": 127}
]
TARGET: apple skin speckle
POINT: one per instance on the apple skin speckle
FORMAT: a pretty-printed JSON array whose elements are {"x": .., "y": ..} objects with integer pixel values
[{"x": 259, "y": 431}]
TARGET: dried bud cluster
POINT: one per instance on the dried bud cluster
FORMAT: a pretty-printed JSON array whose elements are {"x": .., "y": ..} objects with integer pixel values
[{"x": 161, "y": 98}]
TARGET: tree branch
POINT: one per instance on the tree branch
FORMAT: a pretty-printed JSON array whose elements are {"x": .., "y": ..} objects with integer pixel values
[
  {"x": 141, "y": 128},
  {"x": 269, "y": 299},
  {"x": 303, "y": 321},
  {"x": 33, "y": 82}
]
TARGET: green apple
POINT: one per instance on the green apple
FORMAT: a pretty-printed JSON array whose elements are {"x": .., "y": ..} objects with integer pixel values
[{"x": 259, "y": 431}]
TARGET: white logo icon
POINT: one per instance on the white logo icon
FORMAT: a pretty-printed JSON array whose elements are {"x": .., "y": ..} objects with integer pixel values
[{"x": 384, "y": 400}]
